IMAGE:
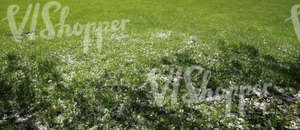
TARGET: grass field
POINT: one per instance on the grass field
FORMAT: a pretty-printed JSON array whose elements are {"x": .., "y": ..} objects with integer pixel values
[{"x": 53, "y": 83}]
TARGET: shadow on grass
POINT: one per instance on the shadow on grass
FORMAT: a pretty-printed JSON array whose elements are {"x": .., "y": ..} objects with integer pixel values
[
  {"x": 23, "y": 91},
  {"x": 243, "y": 64},
  {"x": 25, "y": 99},
  {"x": 246, "y": 61},
  {"x": 122, "y": 105}
]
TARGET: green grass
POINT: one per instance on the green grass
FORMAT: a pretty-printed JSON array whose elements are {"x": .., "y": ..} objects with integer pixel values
[{"x": 53, "y": 84}]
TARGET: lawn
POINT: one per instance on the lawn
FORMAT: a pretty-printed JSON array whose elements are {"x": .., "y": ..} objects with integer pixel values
[{"x": 135, "y": 72}]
